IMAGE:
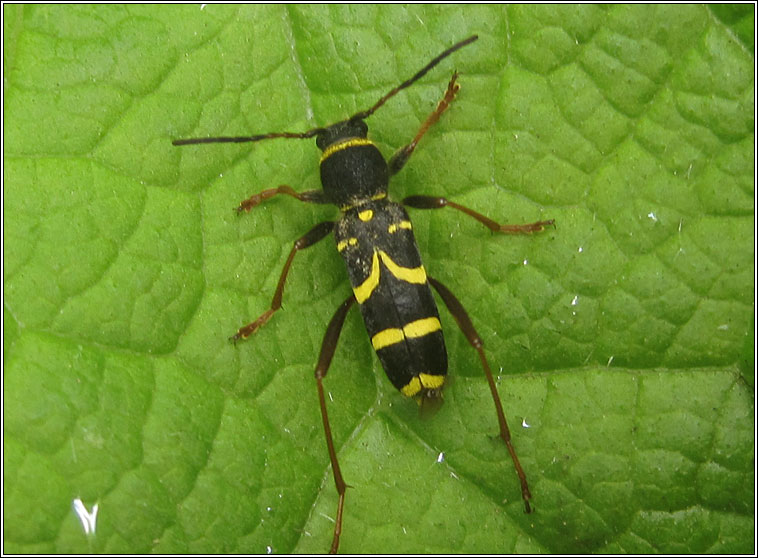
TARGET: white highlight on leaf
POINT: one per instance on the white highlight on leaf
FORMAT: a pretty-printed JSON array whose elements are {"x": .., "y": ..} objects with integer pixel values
[{"x": 89, "y": 520}]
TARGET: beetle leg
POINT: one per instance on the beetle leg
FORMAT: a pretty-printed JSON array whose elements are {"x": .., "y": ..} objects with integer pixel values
[
  {"x": 402, "y": 155},
  {"x": 309, "y": 239},
  {"x": 464, "y": 322},
  {"x": 431, "y": 202},
  {"x": 328, "y": 347},
  {"x": 311, "y": 196}
]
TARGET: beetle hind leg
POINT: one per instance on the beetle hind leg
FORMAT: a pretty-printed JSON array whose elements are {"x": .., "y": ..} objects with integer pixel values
[
  {"x": 464, "y": 322},
  {"x": 328, "y": 346}
]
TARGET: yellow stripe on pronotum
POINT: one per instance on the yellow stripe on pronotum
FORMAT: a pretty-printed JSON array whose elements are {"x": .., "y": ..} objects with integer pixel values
[
  {"x": 353, "y": 142},
  {"x": 375, "y": 197}
]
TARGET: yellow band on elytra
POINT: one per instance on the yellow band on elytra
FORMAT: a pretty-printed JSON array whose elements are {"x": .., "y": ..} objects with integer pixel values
[
  {"x": 417, "y": 328},
  {"x": 427, "y": 381},
  {"x": 408, "y": 274},
  {"x": 363, "y": 291}
]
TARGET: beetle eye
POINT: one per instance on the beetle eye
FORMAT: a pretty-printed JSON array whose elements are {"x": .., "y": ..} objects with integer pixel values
[{"x": 361, "y": 127}]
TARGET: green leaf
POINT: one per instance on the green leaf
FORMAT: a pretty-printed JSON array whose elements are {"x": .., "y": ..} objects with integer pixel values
[{"x": 622, "y": 340}]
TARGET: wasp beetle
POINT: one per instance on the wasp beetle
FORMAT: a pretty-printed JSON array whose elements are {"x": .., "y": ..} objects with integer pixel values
[{"x": 375, "y": 238}]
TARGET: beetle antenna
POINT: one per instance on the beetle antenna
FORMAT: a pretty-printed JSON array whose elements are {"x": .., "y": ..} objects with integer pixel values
[
  {"x": 242, "y": 139},
  {"x": 421, "y": 73},
  {"x": 358, "y": 116}
]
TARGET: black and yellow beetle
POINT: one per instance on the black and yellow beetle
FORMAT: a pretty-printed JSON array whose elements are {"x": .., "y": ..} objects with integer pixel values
[{"x": 375, "y": 238}]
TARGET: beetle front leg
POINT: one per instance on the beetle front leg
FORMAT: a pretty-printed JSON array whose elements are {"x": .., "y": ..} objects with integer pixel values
[
  {"x": 311, "y": 196},
  {"x": 402, "y": 155}
]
